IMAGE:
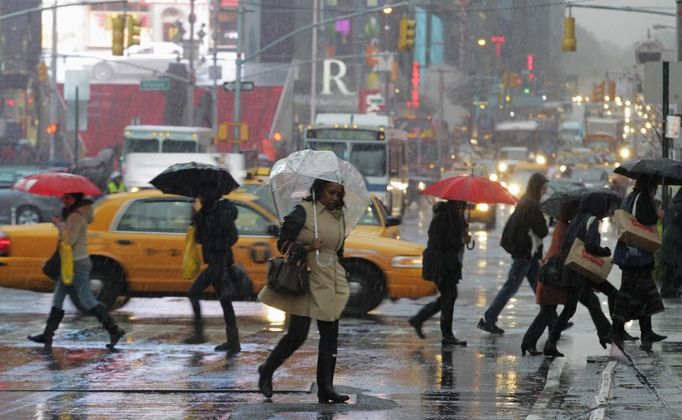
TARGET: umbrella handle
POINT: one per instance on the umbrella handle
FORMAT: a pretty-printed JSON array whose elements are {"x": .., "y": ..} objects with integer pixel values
[{"x": 471, "y": 245}]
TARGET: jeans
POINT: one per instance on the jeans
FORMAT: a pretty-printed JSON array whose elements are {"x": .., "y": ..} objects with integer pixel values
[
  {"x": 80, "y": 290},
  {"x": 521, "y": 268}
]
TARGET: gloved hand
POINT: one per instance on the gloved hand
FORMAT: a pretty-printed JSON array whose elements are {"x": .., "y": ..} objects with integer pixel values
[{"x": 607, "y": 250}]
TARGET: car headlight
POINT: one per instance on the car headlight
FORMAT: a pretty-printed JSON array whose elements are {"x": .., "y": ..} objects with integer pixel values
[
  {"x": 562, "y": 168},
  {"x": 482, "y": 207},
  {"x": 502, "y": 167},
  {"x": 134, "y": 189},
  {"x": 540, "y": 160},
  {"x": 407, "y": 261},
  {"x": 514, "y": 189},
  {"x": 625, "y": 153},
  {"x": 493, "y": 177},
  {"x": 421, "y": 186}
]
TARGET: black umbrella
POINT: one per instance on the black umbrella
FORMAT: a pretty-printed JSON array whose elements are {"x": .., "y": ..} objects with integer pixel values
[
  {"x": 187, "y": 178},
  {"x": 669, "y": 170},
  {"x": 552, "y": 205}
]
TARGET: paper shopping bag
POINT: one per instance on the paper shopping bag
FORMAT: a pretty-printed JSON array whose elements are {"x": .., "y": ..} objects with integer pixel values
[
  {"x": 634, "y": 233},
  {"x": 591, "y": 266}
]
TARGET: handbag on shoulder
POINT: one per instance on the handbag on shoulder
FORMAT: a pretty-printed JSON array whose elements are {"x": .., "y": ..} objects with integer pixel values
[
  {"x": 53, "y": 266},
  {"x": 287, "y": 276}
]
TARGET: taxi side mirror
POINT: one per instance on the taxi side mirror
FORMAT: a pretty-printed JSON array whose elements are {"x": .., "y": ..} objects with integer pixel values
[
  {"x": 393, "y": 221},
  {"x": 273, "y": 230}
]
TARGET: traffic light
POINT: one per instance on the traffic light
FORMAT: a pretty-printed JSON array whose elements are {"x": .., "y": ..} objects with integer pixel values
[
  {"x": 52, "y": 128},
  {"x": 569, "y": 42},
  {"x": 133, "y": 35},
  {"x": 41, "y": 68},
  {"x": 118, "y": 34},
  {"x": 406, "y": 34}
]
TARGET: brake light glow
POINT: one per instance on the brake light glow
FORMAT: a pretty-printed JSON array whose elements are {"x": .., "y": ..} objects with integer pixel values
[{"x": 4, "y": 244}]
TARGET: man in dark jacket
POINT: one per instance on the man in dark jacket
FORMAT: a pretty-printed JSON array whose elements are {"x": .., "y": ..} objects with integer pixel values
[
  {"x": 671, "y": 250},
  {"x": 448, "y": 233},
  {"x": 216, "y": 232},
  {"x": 522, "y": 238}
]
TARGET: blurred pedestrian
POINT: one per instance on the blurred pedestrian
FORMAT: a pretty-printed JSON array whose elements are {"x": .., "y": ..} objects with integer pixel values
[
  {"x": 522, "y": 238},
  {"x": 671, "y": 251},
  {"x": 585, "y": 226},
  {"x": 443, "y": 256},
  {"x": 328, "y": 293},
  {"x": 638, "y": 297},
  {"x": 216, "y": 232},
  {"x": 115, "y": 184},
  {"x": 72, "y": 227}
]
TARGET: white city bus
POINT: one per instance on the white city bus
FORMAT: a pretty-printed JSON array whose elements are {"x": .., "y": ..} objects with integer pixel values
[
  {"x": 166, "y": 139},
  {"x": 372, "y": 145}
]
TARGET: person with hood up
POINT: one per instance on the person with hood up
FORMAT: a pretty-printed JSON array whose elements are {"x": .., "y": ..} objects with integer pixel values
[
  {"x": 216, "y": 232},
  {"x": 318, "y": 240},
  {"x": 522, "y": 238},
  {"x": 585, "y": 226},
  {"x": 671, "y": 250},
  {"x": 73, "y": 227},
  {"x": 443, "y": 264},
  {"x": 115, "y": 184},
  {"x": 638, "y": 297}
]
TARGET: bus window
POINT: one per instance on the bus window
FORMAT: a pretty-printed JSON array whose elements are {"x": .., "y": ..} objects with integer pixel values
[
  {"x": 370, "y": 159},
  {"x": 142, "y": 145},
  {"x": 178, "y": 146},
  {"x": 339, "y": 149}
]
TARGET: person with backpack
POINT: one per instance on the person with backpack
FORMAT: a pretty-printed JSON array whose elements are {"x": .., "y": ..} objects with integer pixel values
[
  {"x": 448, "y": 234},
  {"x": 638, "y": 297},
  {"x": 522, "y": 238},
  {"x": 216, "y": 231}
]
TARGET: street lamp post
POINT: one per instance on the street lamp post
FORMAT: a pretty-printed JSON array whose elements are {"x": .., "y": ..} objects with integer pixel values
[{"x": 189, "y": 109}]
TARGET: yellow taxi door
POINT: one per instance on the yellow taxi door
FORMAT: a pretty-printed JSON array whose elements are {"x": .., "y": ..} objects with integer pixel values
[
  {"x": 256, "y": 243},
  {"x": 148, "y": 238}
]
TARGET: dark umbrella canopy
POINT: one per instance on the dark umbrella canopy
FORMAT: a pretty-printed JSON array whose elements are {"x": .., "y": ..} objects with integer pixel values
[
  {"x": 187, "y": 179},
  {"x": 669, "y": 170},
  {"x": 552, "y": 206}
]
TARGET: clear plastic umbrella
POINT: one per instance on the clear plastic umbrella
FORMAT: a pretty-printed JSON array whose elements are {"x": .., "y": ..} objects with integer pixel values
[{"x": 292, "y": 177}]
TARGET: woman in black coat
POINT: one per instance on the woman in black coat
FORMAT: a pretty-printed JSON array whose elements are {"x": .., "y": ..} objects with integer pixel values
[
  {"x": 671, "y": 251},
  {"x": 448, "y": 233},
  {"x": 638, "y": 297},
  {"x": 585, "y": 226}
]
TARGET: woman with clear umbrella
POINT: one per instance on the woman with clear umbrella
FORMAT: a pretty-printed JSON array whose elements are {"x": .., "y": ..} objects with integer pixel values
[{"x": 315, "y": 232}]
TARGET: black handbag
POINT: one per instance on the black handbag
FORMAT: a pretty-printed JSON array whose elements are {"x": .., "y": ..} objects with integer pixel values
[
  {"x": 550, "y": 273},
  {"x": 288, "y": 277},
  {"x": 52, "y": 268}
]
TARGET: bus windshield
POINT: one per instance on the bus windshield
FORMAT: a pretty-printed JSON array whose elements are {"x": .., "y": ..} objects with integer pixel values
[
  {"x": 339, "y": 149},
  {"x": 515, "y": 138},
  {"x": 133, "y": 145},
  {"x": 178, "y": 146},
  {"x": 370, "y": 159}
]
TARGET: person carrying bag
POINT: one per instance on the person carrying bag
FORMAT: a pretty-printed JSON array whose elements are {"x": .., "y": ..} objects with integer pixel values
[{"x": 313, "y": 232}]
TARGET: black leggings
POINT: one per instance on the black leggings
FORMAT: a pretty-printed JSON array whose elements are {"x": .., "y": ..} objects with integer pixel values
[
  {"x": 298, "y": 332},
  {"x": 213, "y": 275}
]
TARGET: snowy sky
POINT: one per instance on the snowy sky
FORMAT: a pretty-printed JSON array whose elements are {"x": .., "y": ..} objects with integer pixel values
[{"x": 625, "y": 28}]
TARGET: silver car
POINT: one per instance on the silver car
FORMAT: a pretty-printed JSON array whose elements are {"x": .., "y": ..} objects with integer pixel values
[{"x": 21, "y": 208}]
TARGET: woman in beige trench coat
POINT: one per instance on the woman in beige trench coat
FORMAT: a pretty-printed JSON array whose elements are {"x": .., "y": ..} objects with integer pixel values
[{"x": 328, "y": 292}]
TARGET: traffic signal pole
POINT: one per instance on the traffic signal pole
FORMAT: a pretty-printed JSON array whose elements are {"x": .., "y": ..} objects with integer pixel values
[
  {"x": 53, "y": 81},
  {"x": 236, "y": 116}
]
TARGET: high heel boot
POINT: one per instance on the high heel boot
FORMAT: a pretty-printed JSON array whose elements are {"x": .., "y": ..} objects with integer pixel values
[
  {"x": 53, "y": 321},
  {"x": 115, "y": 332}
]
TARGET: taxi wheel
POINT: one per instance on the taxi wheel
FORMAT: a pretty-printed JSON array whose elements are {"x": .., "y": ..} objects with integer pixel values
[
  {"x": 108, "y": 284},
  {"x": 367, "y": 286}
]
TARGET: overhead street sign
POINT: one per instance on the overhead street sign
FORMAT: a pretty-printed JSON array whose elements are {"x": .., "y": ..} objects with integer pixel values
[
  {"x": 230, "y": 86},
  {"x": 155, "y": 84}
]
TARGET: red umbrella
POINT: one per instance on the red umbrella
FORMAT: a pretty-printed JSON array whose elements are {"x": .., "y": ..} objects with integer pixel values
[
  {"x": 56, "y": 184},
  {"x": 474, "y": 189}
]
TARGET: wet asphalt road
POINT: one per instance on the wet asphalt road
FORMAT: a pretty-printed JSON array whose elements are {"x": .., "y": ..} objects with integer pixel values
[{"x": 387, "y": 369}]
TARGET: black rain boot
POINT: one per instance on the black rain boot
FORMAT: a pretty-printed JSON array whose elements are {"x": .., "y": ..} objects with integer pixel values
[
  {"x": 115, "y": 332},
  {"x": 198, "y": 336},
  {"x": 53, "y": 321},
  {"x": 617, "y": 334},
  {"x": 429, "y": 310},
  {"x": 231, "y": 346},
  {"x": 325, "y": 376},
  {"x": 648, "y": 336},
  {"x": 449, "y": 338},
  {"x": 265, "y": 371}
]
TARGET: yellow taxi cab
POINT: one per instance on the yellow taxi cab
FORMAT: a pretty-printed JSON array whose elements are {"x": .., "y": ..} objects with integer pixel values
[{"x": 136, "y": 242}]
